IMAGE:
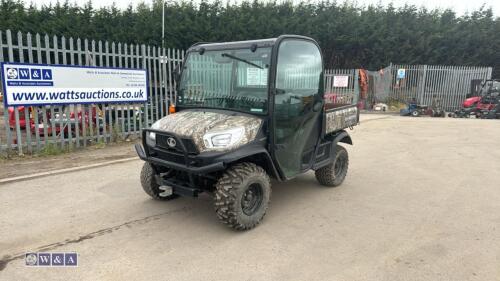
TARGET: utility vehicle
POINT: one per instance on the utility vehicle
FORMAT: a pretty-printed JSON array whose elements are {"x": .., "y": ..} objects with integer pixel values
[{"x": 246, "y": 112}]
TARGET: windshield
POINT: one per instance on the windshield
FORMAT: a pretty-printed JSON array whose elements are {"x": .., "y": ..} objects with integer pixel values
[{"x": 226, "y": 79}]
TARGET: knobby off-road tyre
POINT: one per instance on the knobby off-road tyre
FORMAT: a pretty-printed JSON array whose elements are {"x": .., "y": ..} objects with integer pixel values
[
  {"x": 150, "y": 186},
  {"x": 242, "y": 196},
  {"x": 334, "y": 173}
]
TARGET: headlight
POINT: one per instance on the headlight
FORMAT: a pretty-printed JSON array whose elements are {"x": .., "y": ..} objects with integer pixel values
[
  {"x": 151, "y": 136},
  {"x": 224, "y": 138}
]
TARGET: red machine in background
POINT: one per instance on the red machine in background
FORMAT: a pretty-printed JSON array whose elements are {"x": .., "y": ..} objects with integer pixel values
[
  {"x": 59, "y": 122},
  {"x": 12, "y": 118},
  {"x": 477, "y": 106}
]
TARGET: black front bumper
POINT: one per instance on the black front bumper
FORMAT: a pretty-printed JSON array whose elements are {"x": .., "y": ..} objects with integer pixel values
[
  {"x": 180, "y": 158},
  {"x": 218, "y": 166},
  {"x": 195, "y": 168}
]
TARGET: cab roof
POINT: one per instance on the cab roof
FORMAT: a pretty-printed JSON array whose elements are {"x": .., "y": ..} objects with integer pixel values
[
  {"x": 233, "y": 45},
  {"x": 260, "y": 43}
]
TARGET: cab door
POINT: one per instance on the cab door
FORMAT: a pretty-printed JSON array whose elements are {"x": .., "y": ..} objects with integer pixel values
[{"x": 297, "y": 105}]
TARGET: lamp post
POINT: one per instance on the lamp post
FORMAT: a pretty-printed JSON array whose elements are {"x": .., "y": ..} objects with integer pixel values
[{"x": 163, "y": 24}]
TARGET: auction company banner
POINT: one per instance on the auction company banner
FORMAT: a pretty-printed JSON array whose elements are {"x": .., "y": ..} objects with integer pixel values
[{"x": 40, "y": 84}]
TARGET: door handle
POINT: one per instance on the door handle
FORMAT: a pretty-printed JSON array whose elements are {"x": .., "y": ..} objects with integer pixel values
[{"x": 279, "y": 146}]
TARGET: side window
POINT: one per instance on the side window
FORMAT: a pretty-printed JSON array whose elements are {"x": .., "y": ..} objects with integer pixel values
[{"x": 299, "y": 68}]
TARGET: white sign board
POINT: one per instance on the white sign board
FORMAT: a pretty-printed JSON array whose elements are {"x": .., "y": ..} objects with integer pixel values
[
  {"x": 256, "y": 76},
  {"x": 37, "y": 84},
  {"x": 341, "y": 81},
  {"x": 401, "y": 73}
]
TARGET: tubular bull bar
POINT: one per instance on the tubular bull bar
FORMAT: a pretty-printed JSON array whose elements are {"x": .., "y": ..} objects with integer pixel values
[{"x": 150, "y": 154}]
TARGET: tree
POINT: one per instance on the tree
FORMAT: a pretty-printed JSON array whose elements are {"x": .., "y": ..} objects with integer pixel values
[{"x": 350, "y": 35}]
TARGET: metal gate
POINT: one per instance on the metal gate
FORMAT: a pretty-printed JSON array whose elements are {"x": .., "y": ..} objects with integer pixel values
[
  {"x": 341, "y": 86},
  {"x": 449, "y": 84}
]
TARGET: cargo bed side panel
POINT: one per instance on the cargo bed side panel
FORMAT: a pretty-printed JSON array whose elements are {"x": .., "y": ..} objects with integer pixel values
[{"x": 340, "y": 118}]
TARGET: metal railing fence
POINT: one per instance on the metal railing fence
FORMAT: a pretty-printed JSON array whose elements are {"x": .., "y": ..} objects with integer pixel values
[
  {"x": 341, "y": 86},
  {"x": 449, "y": 84},
  {"x": 32, "y": 129}
]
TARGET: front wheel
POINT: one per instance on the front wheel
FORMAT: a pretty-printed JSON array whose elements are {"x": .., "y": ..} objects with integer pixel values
[
  {"x": 150, "y": 186},
  {"x": 334, "y": 173},
  {"x": 242, "y": 196}
]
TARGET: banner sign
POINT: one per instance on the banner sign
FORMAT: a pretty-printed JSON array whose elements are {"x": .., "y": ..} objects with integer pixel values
[
  {"x": 341, "y": 81},
  {"x": 40, "y": 84}
]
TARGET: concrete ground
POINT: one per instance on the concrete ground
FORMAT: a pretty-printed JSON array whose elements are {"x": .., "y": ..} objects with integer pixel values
[
  {"x": 421, "y": 202},
  {"x": 28, "y": 165}
]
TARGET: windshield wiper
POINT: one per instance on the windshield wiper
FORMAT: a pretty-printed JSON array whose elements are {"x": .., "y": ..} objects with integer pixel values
[{"x": 242, "y": 60}]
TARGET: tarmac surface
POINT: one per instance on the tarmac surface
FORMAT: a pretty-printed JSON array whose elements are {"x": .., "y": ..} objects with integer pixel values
[{"x": 421, "y": 202}]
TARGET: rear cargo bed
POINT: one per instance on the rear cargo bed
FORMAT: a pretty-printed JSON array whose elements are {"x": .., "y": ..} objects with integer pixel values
[{"x": 339, "y": 118}]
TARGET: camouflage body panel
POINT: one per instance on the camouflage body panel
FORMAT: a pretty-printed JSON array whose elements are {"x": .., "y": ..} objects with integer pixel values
[
  {"x": 195, "y": 124},
  {"x": 340, "y": 119}
]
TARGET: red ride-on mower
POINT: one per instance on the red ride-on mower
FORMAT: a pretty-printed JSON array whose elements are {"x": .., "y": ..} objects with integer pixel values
[
  {"x": 477, "y": 105},
  {"x": 469, "y": 107},
  {"x": 490, "y": 106}
]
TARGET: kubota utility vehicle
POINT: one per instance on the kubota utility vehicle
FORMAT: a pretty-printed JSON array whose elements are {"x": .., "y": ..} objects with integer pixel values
[{"x": 246, "y": 112}]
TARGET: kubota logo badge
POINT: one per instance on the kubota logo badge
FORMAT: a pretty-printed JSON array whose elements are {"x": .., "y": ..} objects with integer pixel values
[{"x": 171, "y": 142}]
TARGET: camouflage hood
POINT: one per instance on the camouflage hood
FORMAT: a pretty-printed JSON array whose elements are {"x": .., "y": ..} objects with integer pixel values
[{"x": 195, "y": 124}]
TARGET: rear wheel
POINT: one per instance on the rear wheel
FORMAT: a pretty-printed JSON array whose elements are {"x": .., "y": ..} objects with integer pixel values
[
  {"x": 334, "y": 173},
  {"x": 150, "y": 186},
  {"x": 242, "y": 196},
  {"x": 415, "y": 113}
]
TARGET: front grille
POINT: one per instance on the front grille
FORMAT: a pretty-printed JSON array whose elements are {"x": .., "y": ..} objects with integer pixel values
[
  {"x": 171, "y": 156},
  {"x": 162, "y": 141}
]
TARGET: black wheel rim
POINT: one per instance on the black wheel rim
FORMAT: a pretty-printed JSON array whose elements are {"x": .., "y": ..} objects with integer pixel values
[
  {"x": 252, "y": 199},
  {"x": 340, "y": 165}
]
